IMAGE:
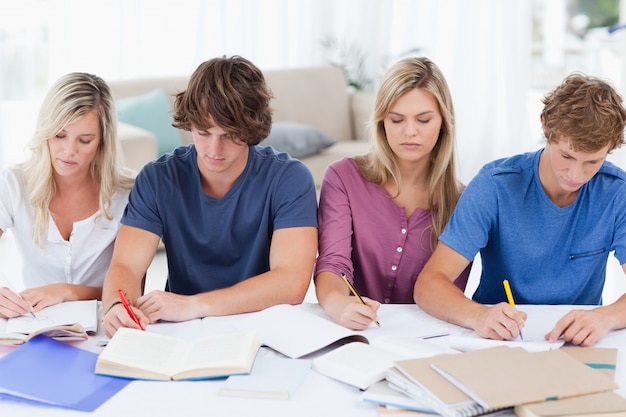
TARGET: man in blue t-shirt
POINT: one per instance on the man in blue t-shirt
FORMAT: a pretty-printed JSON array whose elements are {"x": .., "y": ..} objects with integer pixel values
[
  {"x": 545, "y": 221},
  {"x": 238, "y": 220}
]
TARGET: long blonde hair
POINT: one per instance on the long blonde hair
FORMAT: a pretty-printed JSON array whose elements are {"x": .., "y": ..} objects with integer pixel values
[
  {"x": 71, "y": 97},
  {"x": 379, "y": 165}
]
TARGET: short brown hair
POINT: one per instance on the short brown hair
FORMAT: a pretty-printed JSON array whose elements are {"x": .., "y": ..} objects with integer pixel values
[
  {"x": 232, "y": 91},
  {"x": 586, "y": 110}
]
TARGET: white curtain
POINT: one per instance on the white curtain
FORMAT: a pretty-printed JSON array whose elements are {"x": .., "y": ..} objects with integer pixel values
[{"x": 483, "y": 47}]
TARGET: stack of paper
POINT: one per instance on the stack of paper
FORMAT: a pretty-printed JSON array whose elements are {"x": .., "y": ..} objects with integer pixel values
[{"x": 475, "y": 382}]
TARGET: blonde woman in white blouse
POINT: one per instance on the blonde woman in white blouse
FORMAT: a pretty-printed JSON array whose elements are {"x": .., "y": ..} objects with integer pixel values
[{"x": 63, "y": 205}]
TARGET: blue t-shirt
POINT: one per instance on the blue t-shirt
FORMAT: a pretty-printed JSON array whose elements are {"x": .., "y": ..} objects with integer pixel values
[
  {"x": 550, "y": 255},
  {"x": 215, "y": 243}
]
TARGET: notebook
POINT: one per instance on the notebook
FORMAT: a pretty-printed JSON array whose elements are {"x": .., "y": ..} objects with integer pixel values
[
  {"x": 271, "y": 377},
  {"x": 46, "y": 371},
  {"x": 504, "y": 377}
]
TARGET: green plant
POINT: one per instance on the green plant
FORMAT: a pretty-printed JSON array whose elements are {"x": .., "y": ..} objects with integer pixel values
[{"x": 352, "y": 58}]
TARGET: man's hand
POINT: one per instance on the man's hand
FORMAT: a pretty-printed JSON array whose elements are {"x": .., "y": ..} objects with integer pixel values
[
  {"x": 117, "y": 317},
  {"x": 581, "y": 327},
  {"x": 162, "y": 305},
  {"x": 500, "y": 322}
]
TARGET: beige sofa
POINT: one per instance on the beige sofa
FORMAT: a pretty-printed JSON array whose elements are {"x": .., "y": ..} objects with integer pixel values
[{"x": 316, "y": 97}]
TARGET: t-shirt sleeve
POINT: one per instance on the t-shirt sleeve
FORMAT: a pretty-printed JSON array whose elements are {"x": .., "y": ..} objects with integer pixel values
[
  {"x": 474, "y": 217},
  {"x": 294, "y": 198},
  {"x": 142, "y": 208}
]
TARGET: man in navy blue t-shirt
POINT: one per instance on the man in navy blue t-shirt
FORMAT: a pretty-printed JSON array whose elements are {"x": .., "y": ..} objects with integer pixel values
[{"x": 238, "y": 220}]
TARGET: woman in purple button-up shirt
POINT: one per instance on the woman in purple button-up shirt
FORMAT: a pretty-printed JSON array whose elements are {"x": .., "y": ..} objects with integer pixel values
[{"x": 380, "y": 213}]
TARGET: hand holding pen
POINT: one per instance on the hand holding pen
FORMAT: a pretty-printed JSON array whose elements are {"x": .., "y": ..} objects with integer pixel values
[
  {"x": 12, "y": 304},
  {"x": 354, "y": 291},
  {"x": 129, "y": 309}
]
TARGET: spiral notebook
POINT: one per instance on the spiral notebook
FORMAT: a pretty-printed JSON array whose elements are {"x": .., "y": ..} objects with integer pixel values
[{"x": 416, "y": 378}]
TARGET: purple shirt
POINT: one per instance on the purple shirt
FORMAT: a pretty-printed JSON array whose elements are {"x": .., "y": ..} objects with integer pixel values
[{"x": 365, "y": 235}]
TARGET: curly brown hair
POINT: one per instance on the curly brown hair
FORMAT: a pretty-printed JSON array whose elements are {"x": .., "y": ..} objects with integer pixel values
[
  {"x": 230, "y": 93},
  {"x": 587, "y": 111}
]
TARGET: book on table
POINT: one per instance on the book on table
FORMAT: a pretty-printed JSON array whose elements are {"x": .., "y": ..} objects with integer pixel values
[
  {"x": 44, "y": 371},
  {"x": 296, "y": 333},
  {"x": 361, "y": 364},
  {"x": 495, "y": 378},
  {"x": 271, "y": 377},
  {"x": 138, "y": 354},
  {"x": 603, "y": 404},
  {"x": 71, "y": 320},
  {"x": 418, "y": 380}
]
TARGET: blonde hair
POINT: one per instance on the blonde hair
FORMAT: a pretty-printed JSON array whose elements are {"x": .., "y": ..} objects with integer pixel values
[
  {"x": 379, "y": 165},
  {"x": 70, "y": 98}
]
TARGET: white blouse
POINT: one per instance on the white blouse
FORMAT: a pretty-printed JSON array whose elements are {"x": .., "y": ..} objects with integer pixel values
[{"x": 83, "y": 259}]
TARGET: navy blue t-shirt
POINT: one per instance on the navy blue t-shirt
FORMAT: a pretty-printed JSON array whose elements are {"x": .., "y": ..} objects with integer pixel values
[{"x": 215, "y": 243}]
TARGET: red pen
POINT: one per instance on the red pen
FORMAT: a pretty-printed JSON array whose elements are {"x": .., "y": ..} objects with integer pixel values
[{"x": 128, "y": 308}]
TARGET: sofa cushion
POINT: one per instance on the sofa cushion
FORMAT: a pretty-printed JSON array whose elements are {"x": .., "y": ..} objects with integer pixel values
[
  {"x": 152, "y": 112},
  {"x": 298, "y": 140}
]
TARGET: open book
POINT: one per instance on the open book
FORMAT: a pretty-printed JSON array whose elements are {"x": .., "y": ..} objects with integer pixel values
[
  {"x": 71, "y": 320},
  {"x": 296, "y": 332},
  {"x": 138, "y": 354}
]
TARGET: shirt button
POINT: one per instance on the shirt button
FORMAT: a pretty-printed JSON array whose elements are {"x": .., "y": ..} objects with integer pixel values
[
  {"x": 403, "y": 231},
  {"x": 399, "y": 249},
  {"x": 394, "y": 267},
  {"x": 386, "y": 300},
  {"x": 390, "y": 284}
]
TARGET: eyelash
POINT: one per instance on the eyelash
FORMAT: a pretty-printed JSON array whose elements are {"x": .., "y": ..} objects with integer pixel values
[
  {"x": 84, "y": 142},
  {"x": 400, "y": 121}
]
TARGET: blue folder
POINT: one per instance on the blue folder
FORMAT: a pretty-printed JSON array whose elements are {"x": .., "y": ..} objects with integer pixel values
[{"x": 46, "y": 371}]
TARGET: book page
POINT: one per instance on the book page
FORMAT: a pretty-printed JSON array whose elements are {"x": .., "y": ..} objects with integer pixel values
[
  {"x": 294, "y": 332},
  {"x": 408, "y": 347},
  {"x": 84, "y": 312},
  {"x": 356, "y": 363},
  {"x": 221, "y": 351},
  {"x": 134, "y": 349}
]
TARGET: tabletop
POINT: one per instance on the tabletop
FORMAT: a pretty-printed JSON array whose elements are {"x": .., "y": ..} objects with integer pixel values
[{"x": 317, "y": 396}]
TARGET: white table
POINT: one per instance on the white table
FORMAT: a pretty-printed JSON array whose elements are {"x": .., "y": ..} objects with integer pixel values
[{"x": 317, "y": 396}]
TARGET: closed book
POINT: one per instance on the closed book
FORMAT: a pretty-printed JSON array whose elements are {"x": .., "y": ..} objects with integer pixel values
[
  {"x": 271, "y": 377},
  {"x": 44, "y": 371},
  {"x": 505, "y": 377}
]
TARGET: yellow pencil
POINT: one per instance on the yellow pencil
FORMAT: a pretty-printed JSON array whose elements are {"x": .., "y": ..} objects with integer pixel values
[
  {"x": 356, "y": 294},
  {"x": 509, "y": 296}
]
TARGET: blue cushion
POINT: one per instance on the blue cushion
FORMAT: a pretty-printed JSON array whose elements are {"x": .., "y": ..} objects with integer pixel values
[
  {"x": 298, "y": 140},
  {"x": 152, "y": 112}
]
